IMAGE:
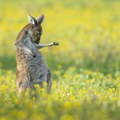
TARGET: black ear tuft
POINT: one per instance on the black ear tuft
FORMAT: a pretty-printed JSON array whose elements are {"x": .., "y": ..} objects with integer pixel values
[
  {"x": 40, "y": 19},
  {"x": 32, "y": 20}
]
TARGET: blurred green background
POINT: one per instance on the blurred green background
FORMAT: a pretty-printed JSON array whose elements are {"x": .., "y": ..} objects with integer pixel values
[
  {"x": 88, "y": 32},
  {"x": 85, "y": 66}
]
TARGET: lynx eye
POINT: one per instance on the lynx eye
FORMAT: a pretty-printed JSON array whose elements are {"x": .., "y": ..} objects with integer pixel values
[{"x": 37, "y": 32}]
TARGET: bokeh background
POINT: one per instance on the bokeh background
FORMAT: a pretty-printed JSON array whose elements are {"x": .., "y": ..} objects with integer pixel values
[
  {"x": 88, "y": 32},
  {"x": 85, "y": 66}
]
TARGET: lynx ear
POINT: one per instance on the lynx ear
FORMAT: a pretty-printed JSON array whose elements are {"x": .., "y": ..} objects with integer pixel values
[
  {"x": 40, "y": 19},
  {"x": 32, "y": 20}
]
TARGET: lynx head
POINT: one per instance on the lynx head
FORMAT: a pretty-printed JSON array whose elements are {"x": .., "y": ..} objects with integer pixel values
[{"x": 35, "y": 30}]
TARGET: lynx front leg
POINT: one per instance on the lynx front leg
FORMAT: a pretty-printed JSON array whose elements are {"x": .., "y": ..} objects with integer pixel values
[
  {"x": 49, "y": 81},
  {"x": 39, "y": 46}
]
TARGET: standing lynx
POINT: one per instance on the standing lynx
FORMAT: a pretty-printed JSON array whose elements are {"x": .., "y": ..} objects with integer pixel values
[{"x": 31, "y": 68}]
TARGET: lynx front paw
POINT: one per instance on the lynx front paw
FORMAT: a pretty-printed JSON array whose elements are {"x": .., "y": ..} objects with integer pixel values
[{"x": 55, "y": 43}]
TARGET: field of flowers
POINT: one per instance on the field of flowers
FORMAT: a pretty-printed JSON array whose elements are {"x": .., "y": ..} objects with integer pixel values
[{"x": 85, "y": 66}]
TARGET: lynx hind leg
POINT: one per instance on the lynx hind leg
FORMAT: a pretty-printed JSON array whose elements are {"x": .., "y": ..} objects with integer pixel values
[
  {"x": 22, "y": 86},
  {"x": 49, "y": 81},
  {"x": 41, "y": 85},
  {"x": 20, "y": 89}
]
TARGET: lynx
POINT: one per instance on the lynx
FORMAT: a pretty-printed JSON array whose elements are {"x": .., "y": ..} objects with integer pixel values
[{"x": 31, "y": 68}]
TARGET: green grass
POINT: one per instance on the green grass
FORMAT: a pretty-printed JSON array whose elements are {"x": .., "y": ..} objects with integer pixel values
[{"x": 85, "y": 95}]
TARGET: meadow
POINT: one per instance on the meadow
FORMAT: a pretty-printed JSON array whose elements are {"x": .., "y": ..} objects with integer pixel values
[{"x": 85, "y": 66}]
